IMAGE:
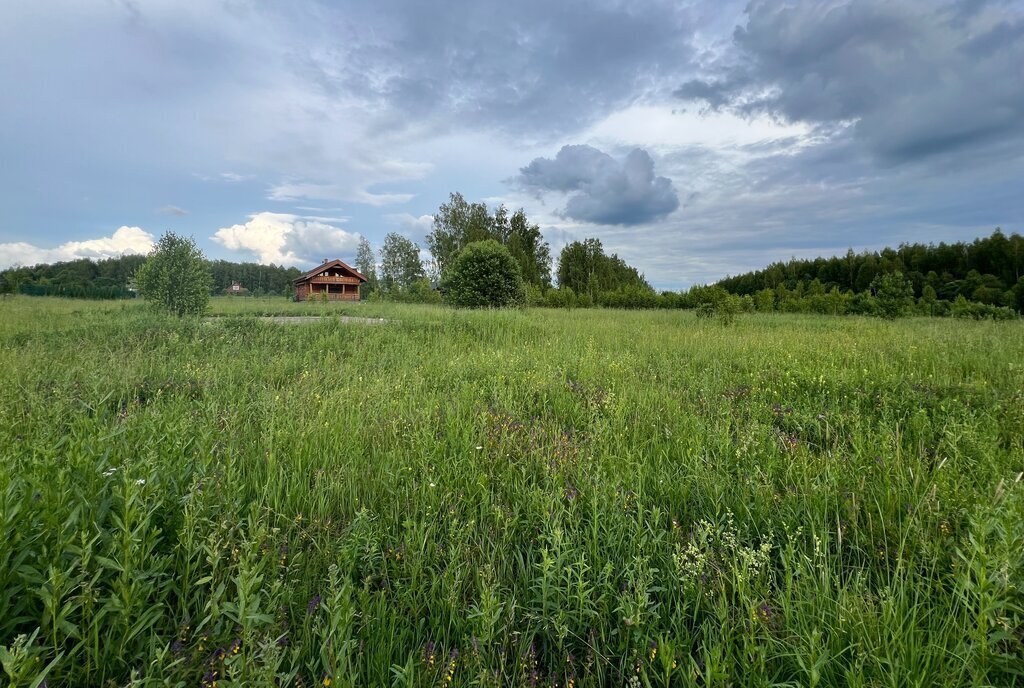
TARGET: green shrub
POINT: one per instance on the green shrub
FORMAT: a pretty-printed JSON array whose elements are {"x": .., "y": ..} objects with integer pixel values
[
  {"x": 484, "y": 275},
  {"x": 893, "y": 293},
  {"x": 534, "y": 295},
  {"x": 175, "y": 276},
  {"x": 716, "y": 302},
  {"x": 962, "y": 308},
  {"x": 563, "y": 297}
]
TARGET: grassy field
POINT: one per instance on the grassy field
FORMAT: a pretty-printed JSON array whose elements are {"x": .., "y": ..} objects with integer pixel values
[{"x": 534, "y": 498}]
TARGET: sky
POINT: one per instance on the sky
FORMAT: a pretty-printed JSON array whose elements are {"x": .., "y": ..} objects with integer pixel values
[{"x": 696, "y": 139}]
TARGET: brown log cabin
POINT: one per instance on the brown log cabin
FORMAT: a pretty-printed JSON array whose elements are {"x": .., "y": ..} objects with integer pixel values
[{"x": 332, "y": 279}]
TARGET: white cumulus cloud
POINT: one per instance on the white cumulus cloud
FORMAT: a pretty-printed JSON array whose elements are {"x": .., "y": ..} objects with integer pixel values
[
  {"x": 415, "y": 227},
  {"x": 125, "y": 240},
  {"x": 286, "y": 239}
]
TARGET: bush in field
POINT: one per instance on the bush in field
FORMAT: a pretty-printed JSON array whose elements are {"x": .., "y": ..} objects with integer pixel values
[
  {"x": 563, "y": 297},
  {"x": 962, "y": 308},
  {"x": 894, "y": 294},
  {"x": 534, "y": 295},
  {"x": 629, "y": 296},
  {"x": 764, "y": 301},
  {"x": 716, "y": 302},
  {"x": 484, "y": 275},
  {"x": 175, "y": 276}
]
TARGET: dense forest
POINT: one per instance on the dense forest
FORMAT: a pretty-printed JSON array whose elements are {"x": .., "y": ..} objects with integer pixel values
[
  {"x": 987, "y": 271},
  {"x": 111, "y": 278}
]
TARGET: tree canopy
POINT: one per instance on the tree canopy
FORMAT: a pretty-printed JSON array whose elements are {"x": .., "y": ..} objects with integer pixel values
[
  {"x": 366, "y": 263},
  {"x": 484, "y": 274},
  {"x": 988, "y": 270},
  {"x": 175, "y": 276},
  {"x": 111, "y": 278},
  {"x": 400, "y": 264},
  {"x": 459, "y": 223},
  {"x": 584, "y": 268}
]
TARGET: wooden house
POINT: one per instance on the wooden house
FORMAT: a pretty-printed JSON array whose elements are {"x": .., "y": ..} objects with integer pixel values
[{"x": 334, "y": 280}]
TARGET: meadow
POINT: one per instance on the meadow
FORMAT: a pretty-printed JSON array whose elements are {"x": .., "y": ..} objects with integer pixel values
[{"x": 514, "y": 498}]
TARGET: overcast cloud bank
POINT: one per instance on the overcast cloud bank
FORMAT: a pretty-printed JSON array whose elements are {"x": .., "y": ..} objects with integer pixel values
[{"x": 693, "y": 138}]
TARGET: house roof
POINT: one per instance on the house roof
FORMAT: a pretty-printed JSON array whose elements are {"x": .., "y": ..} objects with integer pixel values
[{"x": 326, "y": 266}]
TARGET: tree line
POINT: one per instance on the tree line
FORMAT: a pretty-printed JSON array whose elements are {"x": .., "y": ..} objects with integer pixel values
[
  {"x": 989, "y": 271},
  {"x": 112, "y": 278},
  {"x": 511, "y": 263}
]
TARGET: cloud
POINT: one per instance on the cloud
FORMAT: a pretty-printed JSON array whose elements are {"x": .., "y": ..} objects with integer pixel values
[
  {"x": 600, "y": 189},
  {"x": 124, "y": 240},
  {"x": 172, "y": 210},
  {"x": 292, "y": 191},
  {"x": 532, "y": 67},
  {"x": 916, "y": 79},
  {"x": 229, "y": 177},
  {"x": 416, "y": 227},
  {"x": 285, "y": 239}
]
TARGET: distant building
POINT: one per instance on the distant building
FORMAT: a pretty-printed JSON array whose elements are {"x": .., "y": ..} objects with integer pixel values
[
  {"x": 235, "y": 289},
  {"x": 333, "y": 280}
]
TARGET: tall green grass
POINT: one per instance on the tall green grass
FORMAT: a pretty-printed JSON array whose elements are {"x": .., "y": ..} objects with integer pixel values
[{"x": 523, "y": 498}]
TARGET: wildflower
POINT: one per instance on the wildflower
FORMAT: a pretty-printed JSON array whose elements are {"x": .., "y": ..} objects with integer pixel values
[
  {"x": 109, "y": 472},
  {"x": 236, "y": 645},
  {"x": 428, "y": 653},
  {"x": 313, "y": 605},
  {"x": 326, "y": 682},
  {"x": 450, "y": 672},
  {"x": 944, "y": 528},
  {"x": 140, "y": 481},
  {"x": 763, "y": 613},
  {"x": 653, "y": 651}
]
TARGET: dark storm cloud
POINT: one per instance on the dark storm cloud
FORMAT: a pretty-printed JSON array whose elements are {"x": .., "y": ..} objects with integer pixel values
[
  {"x": 917, "y": 79},
  {"x": 601, "y": 189},
  {"x": 538, "y": 67}
]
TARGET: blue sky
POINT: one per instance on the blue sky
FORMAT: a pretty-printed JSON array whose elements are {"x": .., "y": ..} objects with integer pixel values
[{"x": 696, "y": 139}]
